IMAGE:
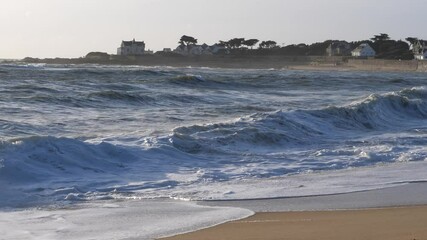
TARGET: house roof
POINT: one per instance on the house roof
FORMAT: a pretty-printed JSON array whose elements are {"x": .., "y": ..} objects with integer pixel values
[
  {"x": 361, "y": 47},
  {"x": 340, "y": 44},
  {"x": 133, "y": 42},
  {"x": 423, "y": 53},
  {"x": 422, "y": 42}
]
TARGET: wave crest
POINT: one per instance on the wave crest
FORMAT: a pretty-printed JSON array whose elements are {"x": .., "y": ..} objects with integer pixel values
[
  {"x": 45, "y": 158},
  {"x": 303, "y": 127}
]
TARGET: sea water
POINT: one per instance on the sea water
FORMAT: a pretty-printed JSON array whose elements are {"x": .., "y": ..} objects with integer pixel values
[{"x": 87, "y": 133}]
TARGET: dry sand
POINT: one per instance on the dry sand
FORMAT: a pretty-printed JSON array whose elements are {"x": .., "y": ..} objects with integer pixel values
[{"x": 404, "y": 223}]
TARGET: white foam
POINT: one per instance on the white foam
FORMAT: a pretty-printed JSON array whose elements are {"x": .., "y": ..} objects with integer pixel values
[
  {"x": 115, "y": 220},
  {"x": 309, "y": 184}
]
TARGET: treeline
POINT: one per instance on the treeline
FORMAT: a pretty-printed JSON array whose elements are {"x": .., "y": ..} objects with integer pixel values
[
  {"x": 385, "y": 47},
  {"x": 235, "y": 43}
]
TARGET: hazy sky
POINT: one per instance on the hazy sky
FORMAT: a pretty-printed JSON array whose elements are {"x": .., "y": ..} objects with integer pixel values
[{"x": 72, "y": 28}]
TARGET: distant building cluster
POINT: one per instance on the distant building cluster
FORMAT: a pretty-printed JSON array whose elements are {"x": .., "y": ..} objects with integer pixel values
[
  {"x": 343, "y": 48},
  {"x": 189, "y": 47},
  {"x": 338, "y": 48},
  {"x": 137, "y": 48},
  {"x": 203, "y": 49}
]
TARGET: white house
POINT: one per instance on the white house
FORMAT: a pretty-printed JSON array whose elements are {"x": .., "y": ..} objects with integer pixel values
[
  {"x": 420, "y": 50},
  {"x": 216, "y": 48},
  {"x": 364, "y": 50},
  {"x": 181, "y": 49},
  {"x": 196, "y": 50},
  {"x": 421, "y": 56},
  {"x": 192, "y": 49},
  {"x": 339, "y": 48},
  {"x": 131, "y": 48}
]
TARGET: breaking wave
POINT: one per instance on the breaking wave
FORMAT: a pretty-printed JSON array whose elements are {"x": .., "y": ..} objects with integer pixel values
[
  {"x": 378, "y": 111},
  {"x": 391, "y": 111},
  {"x": 45, "y": 157},
  {"x": 38, "y": 168}
]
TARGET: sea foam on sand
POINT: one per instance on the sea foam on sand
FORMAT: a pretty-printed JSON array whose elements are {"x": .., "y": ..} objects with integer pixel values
[{"x": 118, "y": 220}]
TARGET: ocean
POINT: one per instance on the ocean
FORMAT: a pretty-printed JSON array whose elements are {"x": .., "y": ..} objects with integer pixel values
[{"x": 82, "y": 134}]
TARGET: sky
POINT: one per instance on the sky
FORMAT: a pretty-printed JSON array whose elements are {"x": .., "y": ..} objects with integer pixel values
[{"x": 72, "y": 28}]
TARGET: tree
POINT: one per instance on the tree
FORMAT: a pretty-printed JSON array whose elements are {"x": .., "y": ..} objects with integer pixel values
[
  {"x": 267, "y": 44},
  {"x": 187, "y": 40},
  {"x": 250, "y": 42},
  {"x": 381, "y": 38},
  {"x": 224, "y": 44},
  {"x": 236, "y": 42},
  {"x": 411, "y": 40}
]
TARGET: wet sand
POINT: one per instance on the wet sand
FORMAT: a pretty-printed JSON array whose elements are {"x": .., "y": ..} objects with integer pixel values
[
  {"x": 375, "y": 214},
  {"x": 401, "y": 223}
]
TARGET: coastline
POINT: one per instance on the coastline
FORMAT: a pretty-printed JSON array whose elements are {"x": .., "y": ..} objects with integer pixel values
[
  {"x": 388, "y": 223},
  {"x": 314, "y": 63},
  {"x": 402, "y": 215},
  {"x": 391, "y": 213}
]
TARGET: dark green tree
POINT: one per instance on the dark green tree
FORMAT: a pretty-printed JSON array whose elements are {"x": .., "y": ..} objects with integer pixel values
[
  {"x": 411, "y": 40},
  {"x": 225, "y": 44},
  {"x": 268, "y": 44},
  {"x": 236, "y": 42},
  {"x": 250, "y": 42},
  {"x": 381, "y": 37},
  {"x": 187, "y": 40}
]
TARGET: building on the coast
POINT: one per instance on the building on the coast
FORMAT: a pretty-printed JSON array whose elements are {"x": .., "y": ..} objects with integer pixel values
[
  {"x": 422, "y": 56},
  {"x": 339, "y": 48},
  {"x": 420, "y": 50},
  {"x": 181, "y": 49},
  {"x": 193, "y": 50},
  {"x": 131, "y": 48},
  {"x": 364, "y": 50},
  {"x": 218, "y": 48}
]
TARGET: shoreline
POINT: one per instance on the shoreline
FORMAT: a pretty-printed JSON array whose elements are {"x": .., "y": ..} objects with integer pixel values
[
  {"x": 397, "y": 223},
  {"x": 273, "y": 217},
  {"x": 314, "y": 63},
  {"x": 154, "y": 219},
  {"x": 410, "y": 194}
]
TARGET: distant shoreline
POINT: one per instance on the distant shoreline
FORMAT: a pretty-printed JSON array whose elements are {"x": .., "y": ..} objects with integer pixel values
[{"x": 250, "y": 62}]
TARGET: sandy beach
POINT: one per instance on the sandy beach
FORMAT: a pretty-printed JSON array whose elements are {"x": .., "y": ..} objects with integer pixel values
[
  {"x": 396, "y": 213},
  {"x": 402, "y": 223},
  {"x": 389, "y": 223}
]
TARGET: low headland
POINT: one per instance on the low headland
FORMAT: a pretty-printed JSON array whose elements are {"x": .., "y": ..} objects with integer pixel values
[
  {"x": 337, "y": 63},
  {"x": 379, "y": 53}
]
